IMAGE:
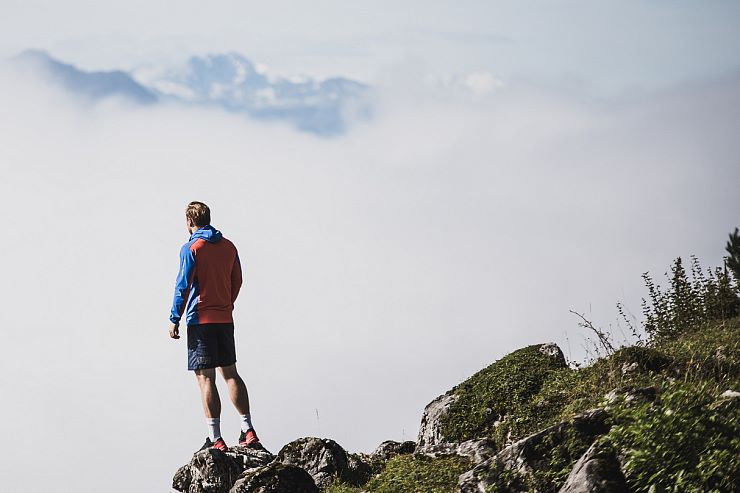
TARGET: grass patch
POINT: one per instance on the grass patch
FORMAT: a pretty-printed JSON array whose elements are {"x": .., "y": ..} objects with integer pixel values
[
  {"x": 339, "y": 487},
  {"x": 418, "y": 474},
  {"x": 412, "y": 474}
]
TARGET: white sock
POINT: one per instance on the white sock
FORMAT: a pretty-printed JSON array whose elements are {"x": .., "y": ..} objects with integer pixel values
[
  {"x": 246, "y": 421},
  {"x": 214, "y": 428}
]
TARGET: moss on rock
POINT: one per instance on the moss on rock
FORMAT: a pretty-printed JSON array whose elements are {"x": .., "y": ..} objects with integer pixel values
[{"x": 490, "y": 403}]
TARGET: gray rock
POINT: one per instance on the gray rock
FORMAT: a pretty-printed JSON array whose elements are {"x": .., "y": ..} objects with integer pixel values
[
  {"x": 213, "y": 471},
  {"x": 728, "y": 399},
  {"x": 476, "y": 450},
  {"x": 531, "y": 454},
  {"x": 553, "y": 350},
  {"x": 630, "y": 395},
  {"x": 377, "y": 460},
  {"x": 325, "y": 460},
  {"x": 250, "y": 458},
  {"x": 730, "y": 394},
  {"x": 485, "y": 477},
  {"x": 629, "y": 368},
  {"x": 430, "y": 432},
  {"x": 597, "y": 471},
  {"x": 721, "y": 353},
  {"x": 389, "y": 449},
  {"x": 275, "y": 478}
]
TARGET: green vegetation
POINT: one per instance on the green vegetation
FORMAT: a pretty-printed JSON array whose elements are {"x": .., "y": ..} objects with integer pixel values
[
  {"x": 692, "y": 346},
  {"x": 688, "y": 437},
  {"x": 687, "y": 442},
  {"x": 339, "y": 487},
  {"x": 688, "y": 304},
  {"x": 413, "y": 474},
  {"x": 733, "y": 253},
  {"x": 487, "y": 400},
  {"x": 676, "y": 432}
]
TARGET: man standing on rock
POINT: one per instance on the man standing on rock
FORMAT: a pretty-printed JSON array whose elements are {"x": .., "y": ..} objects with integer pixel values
[{"x": 207, "y": 286}]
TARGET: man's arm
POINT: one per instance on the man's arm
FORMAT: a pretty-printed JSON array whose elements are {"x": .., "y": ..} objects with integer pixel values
[
  {"x": 236, "y": 278},
  {"x": 183, "y": 283}
]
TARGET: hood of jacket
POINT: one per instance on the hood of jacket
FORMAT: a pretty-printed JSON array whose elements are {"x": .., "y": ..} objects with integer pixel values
[{"x": 208, "y": 233}]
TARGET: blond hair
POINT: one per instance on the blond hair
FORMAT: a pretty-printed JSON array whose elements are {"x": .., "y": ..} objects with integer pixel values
[{"x": 198, "y": 213}]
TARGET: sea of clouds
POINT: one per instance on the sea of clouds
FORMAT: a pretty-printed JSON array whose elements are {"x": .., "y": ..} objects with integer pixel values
[{"x": 380, "y": 268}]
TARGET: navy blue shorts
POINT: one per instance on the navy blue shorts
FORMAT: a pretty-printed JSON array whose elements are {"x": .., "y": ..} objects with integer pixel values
[{"x": 210, "y": 345}]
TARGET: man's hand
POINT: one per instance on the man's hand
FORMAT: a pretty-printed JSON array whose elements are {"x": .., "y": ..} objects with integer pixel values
[{"x": 175, "y": 330}]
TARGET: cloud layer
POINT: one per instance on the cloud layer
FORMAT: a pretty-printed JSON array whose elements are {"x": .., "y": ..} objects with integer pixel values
[{"x": 380, "y": 268}]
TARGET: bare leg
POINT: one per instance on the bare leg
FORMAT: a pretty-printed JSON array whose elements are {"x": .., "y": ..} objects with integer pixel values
[
  {"x": 209, "y": 392},
  {"x": 237, "y": 388}
]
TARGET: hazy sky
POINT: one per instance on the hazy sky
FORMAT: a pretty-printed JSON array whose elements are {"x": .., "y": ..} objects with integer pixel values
[
  {"x": 380, "y": 268},
  {"x": 609, "y": 45}
]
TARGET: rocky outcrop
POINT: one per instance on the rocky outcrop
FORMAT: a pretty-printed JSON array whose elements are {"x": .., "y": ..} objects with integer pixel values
[
  {"x": 480, "y": 390},
  {"x": 214, "y": 471},
  {"x": 304, "y": 465},
  {"x": 511, "y": 468},
  {"x": 538, "y": 463},
  {"x": 389, "y": 449},
  {"x": 275, "y": 478},
  {"x": 325, "y": 460},
  {"x": 430, "y": 432},
  {"x": 597, "y": 471},
  {"x": 553, "y": 351},
  {"x": 385, "y": 452}
]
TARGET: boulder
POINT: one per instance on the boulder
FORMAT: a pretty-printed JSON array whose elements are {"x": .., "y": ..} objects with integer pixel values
[
  {"x": 553, "y": 351},
  {"x": 389, "y": 449},
  {"x": 477, "y": 406},
  {"x": 324, "y": 460},
  {"x": 597, "y": 471},
  {"x": 513, "y": 468},
  {"x": 430, "y": 432},
  {"x": 383, "y": 453},
  {"x": 275, "y": 478},
  {"x": 213, "y": 471}
]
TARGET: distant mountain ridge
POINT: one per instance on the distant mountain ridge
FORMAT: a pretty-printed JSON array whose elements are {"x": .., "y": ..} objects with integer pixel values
[
  {"x": 229, "y": 81},
  {"x": 92, "y": 86},
  {"x": 234, "y": 83}
]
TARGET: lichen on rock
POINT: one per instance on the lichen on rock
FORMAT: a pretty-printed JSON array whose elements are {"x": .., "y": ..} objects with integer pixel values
[
  {"x": 539, "y": 462},
  {"x": 214, "y": 471},
  {"x": 597, "y": 471},
  {"x": 325, "y": 460},
  {"x": 275, "y": 478}
]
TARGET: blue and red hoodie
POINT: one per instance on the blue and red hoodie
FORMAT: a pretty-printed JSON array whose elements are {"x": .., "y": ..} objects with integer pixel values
[{"x": 209, "y": 280}]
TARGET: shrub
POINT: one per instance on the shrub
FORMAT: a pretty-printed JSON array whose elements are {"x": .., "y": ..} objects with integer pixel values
[
  {"x": 689, "y": 441},
  {"x": 688, "y": 304},
  {"x": 733, "y": 250}
]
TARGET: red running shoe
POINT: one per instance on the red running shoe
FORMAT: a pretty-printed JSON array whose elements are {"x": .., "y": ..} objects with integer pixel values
[
  {"x": 219, "y": 444},
  {"x": 249, "y": 439}
]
